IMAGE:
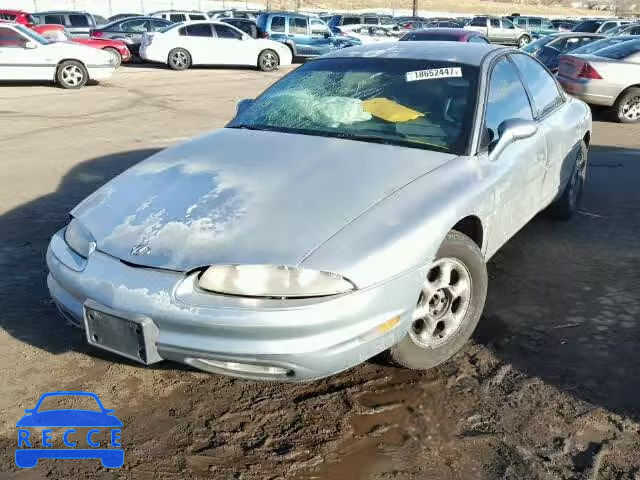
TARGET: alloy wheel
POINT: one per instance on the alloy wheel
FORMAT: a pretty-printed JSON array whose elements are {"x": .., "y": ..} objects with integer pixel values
[
  {"x": 631, "y": 109},
  {"x": 72, "y": 75},
  {"x": 180, "y": 59},
  {"x": 269, "y": 60},
  {"x": 443, "y": 303}
]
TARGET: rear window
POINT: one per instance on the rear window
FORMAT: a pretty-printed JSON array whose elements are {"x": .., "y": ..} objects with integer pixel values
[
  {"x": 351, "y": 21},
  {"x": 297, "y": 26},
  {"x": 177, "y": 17},
  {"x": 54, "y": 19},
  {"x": 197, "y": 17},
  {"x": 433, "y": 37},
  {"x": 620, "y": 51}
]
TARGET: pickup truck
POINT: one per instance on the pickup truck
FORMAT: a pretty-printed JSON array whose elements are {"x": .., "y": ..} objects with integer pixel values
[{"x": 500, "y": 30}]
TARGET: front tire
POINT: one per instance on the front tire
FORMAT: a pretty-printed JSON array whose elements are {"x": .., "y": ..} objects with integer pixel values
[
  {"x": 627, "y": 107},
  {"x": 268, "y": 61},
  {"x": 71, "y": 74},
  {"x": 449, "y": 305},
  {"x": 179, "y": 59},
  {"x": 116, "y": 55},
  {"x": 566, "y": 205},
  {"x": 523, "y": 41}
]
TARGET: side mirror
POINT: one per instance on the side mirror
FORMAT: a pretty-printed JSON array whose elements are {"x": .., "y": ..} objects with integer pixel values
[
  {"x": 31, "y": 45},
  {"x": 243, "y": 104},
  {"x": 511, "y": 131},
  {"x": 245, "y": 37},
  {"x": 328, "y": 35}
]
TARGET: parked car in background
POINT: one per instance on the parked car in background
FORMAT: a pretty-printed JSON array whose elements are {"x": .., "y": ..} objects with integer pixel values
[
  {"x": 79, "y": 24},
  {"x": 444, "y": 24},
  {"x": 17, "y": 16},
  {"x": 232, "y": 13},
  {"x": 373, "y": 34},
  {"x": 629, "y": 30},
  {"x": 177, "y": 16},
  {"x": 349, "y": 209},
  {"x": 121, "y": 16},
  {"x": 611, "y": 24},
  {"x": 305, "y": 36},
  {"x": 558, "y": 44},
  {"x": 347, "y": 22},
  {"x": 588, "y": 26},
  {"x": 563, "y": 24},
  {"x": 130, "y": 30},
  {"x": 602, "y": 44},
  {"x": 500, "y": 30},
  {"x": 445, "y": 35},
  {"x": 401, "y": 20},
  {"x": 607, "y": 77},
  {"x": 183, "y": 45},
  {"x": 246, "y": 25},
  {"x": 538, "y": 26},
  {"x": 26, "y": 55},
  {"x": 58, "y": 33}
]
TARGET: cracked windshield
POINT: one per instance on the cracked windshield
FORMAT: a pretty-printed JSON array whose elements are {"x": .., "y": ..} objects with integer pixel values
[{"x": 413, "y": 103}]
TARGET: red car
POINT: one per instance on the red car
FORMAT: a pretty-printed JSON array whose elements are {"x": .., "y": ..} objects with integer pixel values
[
  {"x": 58, "y": 33},
  {"x": 17, "y": 16}
]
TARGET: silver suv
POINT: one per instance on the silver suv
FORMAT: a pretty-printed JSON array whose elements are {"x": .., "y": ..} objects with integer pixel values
[
  {"x": 77, "y": 23},
  {"x": 500, "y": 30}
]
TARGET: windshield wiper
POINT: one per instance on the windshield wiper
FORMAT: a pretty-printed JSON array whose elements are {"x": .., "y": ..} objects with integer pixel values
[{"x": 247, "y": 127}]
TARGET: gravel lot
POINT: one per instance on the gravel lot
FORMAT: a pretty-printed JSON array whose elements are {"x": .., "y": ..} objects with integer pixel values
[{"x": 549, "y": 387}]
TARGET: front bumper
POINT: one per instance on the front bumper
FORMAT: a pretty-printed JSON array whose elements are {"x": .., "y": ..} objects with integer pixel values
[{"x": 309, "y": 338}]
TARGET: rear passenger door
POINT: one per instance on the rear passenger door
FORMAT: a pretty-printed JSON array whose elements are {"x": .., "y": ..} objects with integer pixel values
[
  {"x": 298, "y": 32},
  {"x": 199, "y": 41},
  {"x": 555, "y": 121}
]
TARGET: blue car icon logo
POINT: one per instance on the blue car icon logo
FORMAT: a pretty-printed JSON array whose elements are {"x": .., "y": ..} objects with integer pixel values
[{"x": 28, "y": 453}]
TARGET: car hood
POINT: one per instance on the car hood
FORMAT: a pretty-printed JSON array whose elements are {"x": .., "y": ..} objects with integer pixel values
[{"x": 241, "y": 197}]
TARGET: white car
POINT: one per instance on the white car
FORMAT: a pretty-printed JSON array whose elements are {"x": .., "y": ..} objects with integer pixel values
[
  {"x": 25, "y": 55},
  {"x": 212, "y": 43}
]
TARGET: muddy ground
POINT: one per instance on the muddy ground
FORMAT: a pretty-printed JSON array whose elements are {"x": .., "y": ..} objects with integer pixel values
[{"x": 548, "y": 388}]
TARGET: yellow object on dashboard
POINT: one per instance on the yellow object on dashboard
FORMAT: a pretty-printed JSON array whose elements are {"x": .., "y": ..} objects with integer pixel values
[{"x": 389, "y": 110}]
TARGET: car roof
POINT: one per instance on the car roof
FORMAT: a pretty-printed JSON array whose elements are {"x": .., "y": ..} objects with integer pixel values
[
  {"x": 468, "y": 53},
  {"x": 79, "y": 12},
  {"x": 13, "y": 12},
  {"x": 576, "y": 34}
]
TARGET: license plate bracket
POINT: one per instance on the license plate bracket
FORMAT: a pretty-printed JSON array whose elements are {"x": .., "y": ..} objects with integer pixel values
[{"x": 132, "y": 336}]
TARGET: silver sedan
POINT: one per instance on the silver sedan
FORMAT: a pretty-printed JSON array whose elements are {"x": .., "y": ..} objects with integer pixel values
[{"x": 348, "y": 210}]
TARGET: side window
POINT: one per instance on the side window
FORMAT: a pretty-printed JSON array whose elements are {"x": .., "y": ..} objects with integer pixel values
[
  {"x": 177, "y": 17},
  {"x": 135, "y": 26},
  {"x": 11, "y": 39},
  {"x": 547, "y": 24},
  {"x": 158, "y": 25},
  {"x": 277, "y": 24},
  {"x": 318, "y": 27},
  {"x": 479, "y": 22},
  {"x": 54, "y": 19},
  {"x": 195, "y": 17},
  {"x": 370, "y": 20},
  {"x": 535, "y": 23},
  {"x": 198, "y": 30},
  {"x": 507, "y": 24},
  {"x": 495, "y": 23},
  {"x": 507, "y": 99},
  {"x": 542, "y": 86},
  {"x": 387, "y": 21},
  {"x": 78, "y": 21},
  {"x": 224, "y": 31},
  {"x": 521, "y": 22},
  {"x": 297, "y": 26},
  {"x": 351, "y": 21}
]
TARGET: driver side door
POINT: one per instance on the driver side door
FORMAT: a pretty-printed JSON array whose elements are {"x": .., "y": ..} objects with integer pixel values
[
  {"x": 17, "y": 62},
  {"x": 516, "y": 174},
  {"x": 322, "y": 40}
]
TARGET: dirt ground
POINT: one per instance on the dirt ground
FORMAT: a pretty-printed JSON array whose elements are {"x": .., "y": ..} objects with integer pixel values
[{"x": 549, "y": 388}]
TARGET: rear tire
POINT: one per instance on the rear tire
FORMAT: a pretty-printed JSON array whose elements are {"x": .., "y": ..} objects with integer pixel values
[
  {"x": 116, "y": 55},
  {"x": 627, "y": 106},
  {"x": 523, "y": 41},
  {"x": 179, "y": 59},
  {"x": 71, "y": 74},
  {"x": 449, "y": 305},
  {"x": 567, "y": 204},
  {"x": 268, "y": 61}
]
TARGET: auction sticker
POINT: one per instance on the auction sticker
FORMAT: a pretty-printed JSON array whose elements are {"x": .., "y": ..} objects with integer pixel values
[{"x": 449, "y": 72}]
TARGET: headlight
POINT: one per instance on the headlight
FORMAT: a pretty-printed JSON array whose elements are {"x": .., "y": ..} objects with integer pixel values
[
  {"x": 272, "y": 281},
  {"x": 78, "y": 238}
]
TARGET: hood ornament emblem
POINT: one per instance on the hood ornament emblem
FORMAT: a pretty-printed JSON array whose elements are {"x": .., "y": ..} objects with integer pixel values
[{"x": 142, "y": 249}]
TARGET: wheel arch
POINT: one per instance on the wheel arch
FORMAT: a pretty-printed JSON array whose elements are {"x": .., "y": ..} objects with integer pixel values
[
  {"x": 472, "y": 227},
  {"x": 623, "y": 92}
]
